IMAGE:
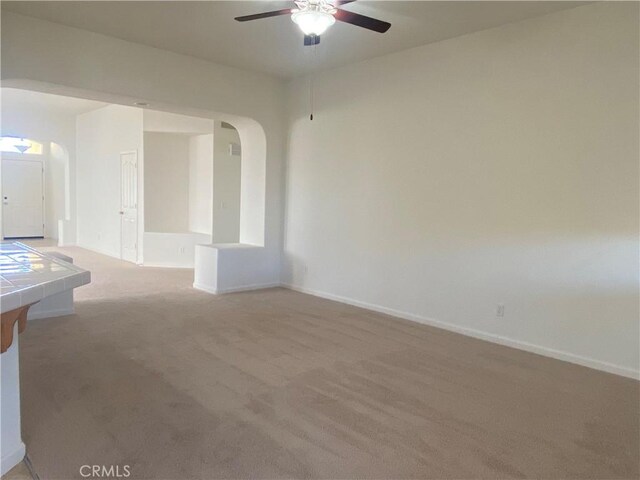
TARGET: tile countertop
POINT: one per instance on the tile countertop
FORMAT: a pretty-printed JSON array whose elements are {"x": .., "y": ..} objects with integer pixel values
[{"x": 27, "y": 276}]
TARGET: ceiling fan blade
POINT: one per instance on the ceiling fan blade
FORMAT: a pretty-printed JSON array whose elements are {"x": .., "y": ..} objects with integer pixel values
[
  {"x": 257, "y": 16},
  {"x": 362, "y": 21}
]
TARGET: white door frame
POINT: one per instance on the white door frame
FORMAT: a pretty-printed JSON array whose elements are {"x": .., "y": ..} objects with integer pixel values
[
  {"x": 25, "y": 158},
  {"x": 123, "y": 210}
]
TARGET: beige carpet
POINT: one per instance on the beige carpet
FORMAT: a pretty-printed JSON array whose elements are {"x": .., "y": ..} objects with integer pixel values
[{"x": 179, "y": 384}]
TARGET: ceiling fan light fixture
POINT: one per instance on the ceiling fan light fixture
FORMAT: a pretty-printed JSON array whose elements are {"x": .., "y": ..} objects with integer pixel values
[
  {"x": 314, "y": 17},
  {"x": 313, "y": 22}
]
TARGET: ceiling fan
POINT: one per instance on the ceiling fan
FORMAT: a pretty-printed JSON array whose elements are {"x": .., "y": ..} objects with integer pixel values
[{"x": 314, "y": 17}]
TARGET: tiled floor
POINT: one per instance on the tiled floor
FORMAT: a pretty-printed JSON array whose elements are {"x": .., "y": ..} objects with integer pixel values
[
  {"x": 39, "y": 242},
  {"x": 19, "y": 472}
]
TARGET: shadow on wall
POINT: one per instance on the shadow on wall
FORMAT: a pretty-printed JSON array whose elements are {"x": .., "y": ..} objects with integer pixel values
[
  {"x": 192, "y": 186},
  {"x": 233, "y": 209}
]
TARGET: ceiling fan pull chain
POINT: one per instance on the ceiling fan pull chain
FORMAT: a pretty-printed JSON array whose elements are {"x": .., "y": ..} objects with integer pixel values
[
  {"x": 311, "y": 96},
  {"x": 311, "y": 82}
]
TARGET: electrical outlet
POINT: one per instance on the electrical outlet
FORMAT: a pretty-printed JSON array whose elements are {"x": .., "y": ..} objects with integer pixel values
[
  {"x": 181, "y": 250},
  {"x": 500, "y": 310}
]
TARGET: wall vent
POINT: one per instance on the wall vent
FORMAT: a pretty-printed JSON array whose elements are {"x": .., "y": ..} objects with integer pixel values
[{"x": 234, "y": 149}]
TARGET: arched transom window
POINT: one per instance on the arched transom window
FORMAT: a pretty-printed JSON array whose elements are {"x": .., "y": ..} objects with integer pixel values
[{"x": 20, "y": 145}]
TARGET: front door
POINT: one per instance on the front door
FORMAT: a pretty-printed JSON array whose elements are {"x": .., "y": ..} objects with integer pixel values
[
  {"x": 22, "y": 198},
  {"x": 129, "y": 206}
]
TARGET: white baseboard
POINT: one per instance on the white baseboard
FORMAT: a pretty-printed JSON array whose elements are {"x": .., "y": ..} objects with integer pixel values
[
  {"x": 471, "y": 332},
  {"x": 108, "y": 253},
  {"x": 205, "y": 288},
  {"x": 244, "y": 288},
  {"x": 140, "y": 263},
  {"x": 50, "y": 313},
  {"x": 12, "y": 459},
  {"x": 166, "y": 265}
]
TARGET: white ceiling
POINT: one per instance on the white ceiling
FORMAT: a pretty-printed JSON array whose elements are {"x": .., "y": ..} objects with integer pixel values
[
  {"x": 274, "y": 45},
  {"x": 14, "y": 100}
]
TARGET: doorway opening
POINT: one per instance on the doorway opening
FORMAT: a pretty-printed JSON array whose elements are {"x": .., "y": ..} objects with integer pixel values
[
  {"x": 226, "y": 200},
  {"x": 40, "y": 127}
]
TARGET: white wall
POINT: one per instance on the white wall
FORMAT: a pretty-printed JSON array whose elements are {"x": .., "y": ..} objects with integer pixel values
[
  {"x": 226, "y": 187},
  {"x": 173, "y": 250},
  {"x": 46, "y": 125},
  {"x": 201, "y": 183},
  {"x": 166, "y": 182},
  {"x": 498, "y": 167},
  {"x": 101, "y": 136},
  {"x": 58, "y": 173},
  {"x": 155, "y": 121}
]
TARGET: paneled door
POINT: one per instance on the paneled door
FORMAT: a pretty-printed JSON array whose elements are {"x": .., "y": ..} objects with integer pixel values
[
  {"x": 22, "y": 198},
  {"x": 129, "y": 206}
]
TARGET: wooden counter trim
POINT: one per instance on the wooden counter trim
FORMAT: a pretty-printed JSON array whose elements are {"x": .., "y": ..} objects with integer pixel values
[{"x": 7, "y": 321}]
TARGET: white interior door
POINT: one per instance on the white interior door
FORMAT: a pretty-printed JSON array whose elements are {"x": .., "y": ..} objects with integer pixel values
[
  {"x": 22, "y": 198},
  {"x": 129, "y": 206}
]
